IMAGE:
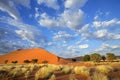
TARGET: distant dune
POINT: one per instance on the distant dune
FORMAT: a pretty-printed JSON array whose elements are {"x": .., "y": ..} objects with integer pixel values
[{"x": 29, "y": 54}]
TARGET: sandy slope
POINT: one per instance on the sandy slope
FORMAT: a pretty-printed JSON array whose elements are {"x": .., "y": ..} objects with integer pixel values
[{"x": 29, "y": 54}]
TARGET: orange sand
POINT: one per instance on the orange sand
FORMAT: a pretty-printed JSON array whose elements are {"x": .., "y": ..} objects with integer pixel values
[{"x": 29, "y": 54}]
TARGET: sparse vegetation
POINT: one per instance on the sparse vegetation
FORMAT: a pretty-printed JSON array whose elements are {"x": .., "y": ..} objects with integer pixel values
[
  {"x": 66, "y": 70},
  {"x": 110, "y": 56},
  {"x": 95, "y": 57},
  {"x": 27, "y": 61},
  {"x": 6, "y": 61},
  {"x": 14, "y": 62},
  {"x": 34, "y": 60},
  {"x": 82, "y": 70},
  {"x": 44, "y": 73},
  {"x": 103, "y": 58},
  {"x": 98, "y": 76},
  {"x": 45, "y": 61},
  {"x": 86, "y": 58},
  {"x": 104, "y": 69},
  {"x": 52, "y": 72}
]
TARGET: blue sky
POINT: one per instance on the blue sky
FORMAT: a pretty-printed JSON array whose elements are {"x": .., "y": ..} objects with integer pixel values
[{"x": 67, "y": 28}]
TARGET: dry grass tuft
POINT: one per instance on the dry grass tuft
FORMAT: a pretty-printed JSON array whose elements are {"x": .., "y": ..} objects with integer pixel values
[
  {"x": 98, "y": 76},
  {"x": 82, "y": 70},
  {"x": 104, "y": 69}
]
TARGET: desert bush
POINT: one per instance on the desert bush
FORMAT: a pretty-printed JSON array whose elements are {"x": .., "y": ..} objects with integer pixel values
[
  {"x": 6, "y": 61},
  {"x": 52, "y": 77},
  {"x": 15, "y": 72},
  {"x": 98, "y": 76},
  {"x": 31, "y": 67},
  {"x": 54, "y": 67},
  {"x": 110, "y": 56},
  {"x": 3, "y": 74},
  {"x": 45, "y": 61},
  {"x": 27, "y": 61},
  {"x": 24, "y": 70},
  {"x": 34, "y": 60},
  {"x": 104, "y": 69},
  {"x": 8, "y": 68},
  {"x": 44, "y": 73},
  {"x": 27, "y": 74},
  {"x": 66, "y": 69},
  {"x": 86, "y": 58},
  {"x": 14, "y": 62},
  {"x": 82, "y": 70},
  {"x": 95, "y": 57},
  {"x": 72, "y": 77}
]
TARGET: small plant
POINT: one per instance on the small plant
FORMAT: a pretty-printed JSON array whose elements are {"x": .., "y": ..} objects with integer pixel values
[
  {"x": 82, "y": 70},
  {"x": 34, "y": 60},
  {"x": 104, "y": 69},
  {"x": 44, "y": 73},
  {"x": 15, "y": 72},
  {"x": 27, "y": 74},
  {"x": 24, "y": 70},
  {"x": 66, "y": 69},
  {"x": 14, "y": 62},
  {"x": 6, "y": 61},
  {"x": 27, "y": 61},
  {"x": 98, "y": 76},
  {"x": 54, "y": 67},
  {"x": 45, "y": 61},
  {"x": 52, "y": 77}
]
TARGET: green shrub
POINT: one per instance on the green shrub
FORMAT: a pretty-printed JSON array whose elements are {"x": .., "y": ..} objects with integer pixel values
[
  {"x": 86, "y": 58},
  {"x": 95, "y": 57}
]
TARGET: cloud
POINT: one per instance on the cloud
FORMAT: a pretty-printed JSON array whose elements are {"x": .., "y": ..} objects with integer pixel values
[
  {"x": 108, "y": 23},
  {"x": 30, "y": 35},
  {"x": 108, "y": 48},
  {"x": 84, "y": 46},
  {"x": 72, "y": 19},
  {"x": 49, "y": 3},
  {"x": 64, "y": 36},
  {"x": 68, "y": 18},
  {"x": 47, "y": 21},
  {"x": 74, "y": 4},
  {"x": 25, "y": 3},
  {"x": 104, "y": 34},
  {"x": 101, "y": 33},
  {"x": 9, "y": 6}
]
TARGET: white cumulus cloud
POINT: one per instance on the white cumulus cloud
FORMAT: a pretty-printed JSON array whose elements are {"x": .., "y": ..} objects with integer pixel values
[
  {"x": 49, "y": 3},
  {"x": 74, "y": 3}
]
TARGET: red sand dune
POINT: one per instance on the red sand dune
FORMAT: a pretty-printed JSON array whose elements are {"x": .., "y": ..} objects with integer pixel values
[{"x": 29, "y": 54}]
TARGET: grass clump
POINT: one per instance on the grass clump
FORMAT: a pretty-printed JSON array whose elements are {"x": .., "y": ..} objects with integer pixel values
[
  {"x": 82, "y": 70},
  {"x": 16, "y": 72},
  {"x": 52, "y": 77},
  {"x": 98, "y": 76},
  {"x": 44, "y": 73},
  {"x": 27, "y": 74},
  {"x": 104, "y": 69},
  {"x": 66, "y": 69}
]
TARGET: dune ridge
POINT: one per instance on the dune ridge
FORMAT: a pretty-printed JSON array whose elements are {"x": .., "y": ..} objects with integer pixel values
[{"x": 29, "y": 54}]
